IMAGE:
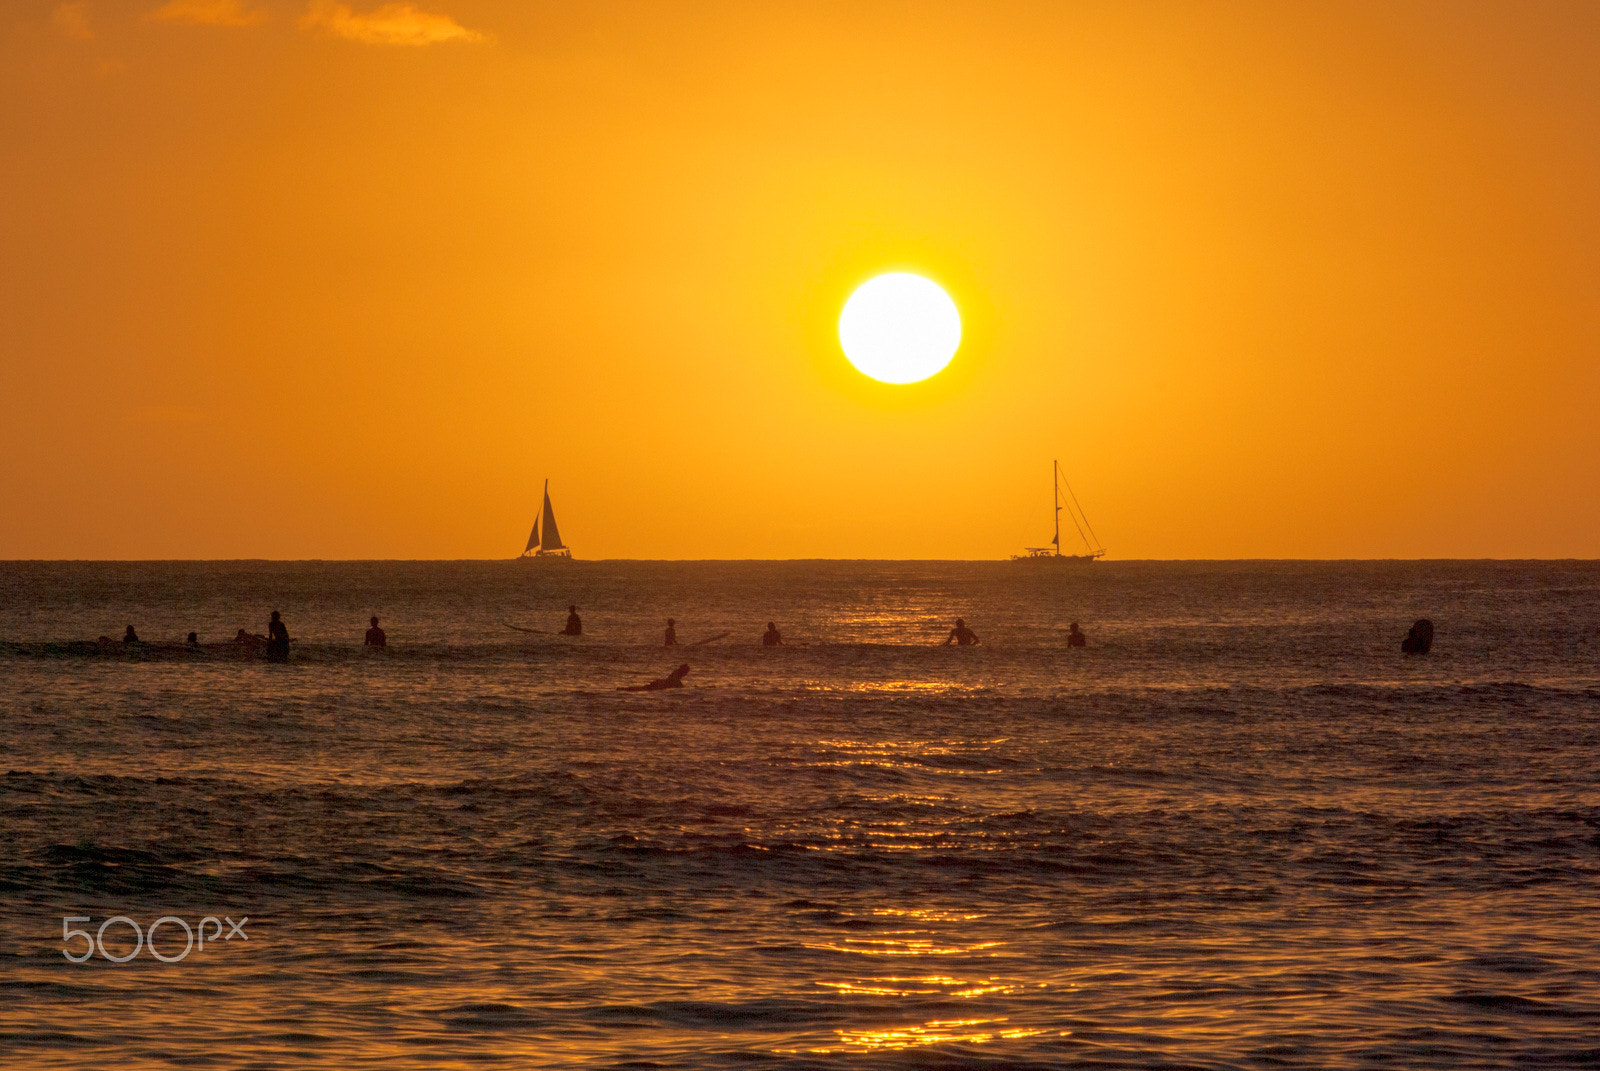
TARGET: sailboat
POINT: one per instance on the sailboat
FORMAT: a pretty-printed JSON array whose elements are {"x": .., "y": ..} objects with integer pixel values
[
  {"x": 1080, "y": 521},
  {"x": 545, "y": 539}
]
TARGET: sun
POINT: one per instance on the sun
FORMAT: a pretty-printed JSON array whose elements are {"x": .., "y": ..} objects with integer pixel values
[{"x": 899, "y": 328}]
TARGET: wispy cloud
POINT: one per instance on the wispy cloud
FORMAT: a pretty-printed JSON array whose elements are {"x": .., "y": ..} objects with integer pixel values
[
  {"x": 209, "y": 13},
  {"x": 390, "y": 24},
  {"x": 72, "y": 19}
]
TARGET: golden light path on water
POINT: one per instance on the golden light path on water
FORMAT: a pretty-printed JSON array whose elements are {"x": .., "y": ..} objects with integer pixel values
[{"x": 914, "y": 942}]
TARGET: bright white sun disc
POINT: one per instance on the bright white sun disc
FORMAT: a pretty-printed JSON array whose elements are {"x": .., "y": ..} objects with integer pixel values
[{"x": 899, "y": 328}]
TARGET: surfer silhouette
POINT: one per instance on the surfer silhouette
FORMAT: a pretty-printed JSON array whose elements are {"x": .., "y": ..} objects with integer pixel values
[
  {"x": 1076, "y": 638},
  {"x": 1420, "y": 639},
  {"x": 277, "y": 639},
  {"x": 771, "y": 637},
  {"x": 130, "y": 636},
  {"x": 574, "y": 626},
  {"x": 672, "y": 633},
  {"x": 193, "y": 640},
  {"x": 962, "y": 635},
  {"x": 376, "y": 637},
  {"x": 671, "y": 680}
]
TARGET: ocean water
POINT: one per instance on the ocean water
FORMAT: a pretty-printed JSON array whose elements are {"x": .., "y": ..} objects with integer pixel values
[{"x": 1239, "y": 829}]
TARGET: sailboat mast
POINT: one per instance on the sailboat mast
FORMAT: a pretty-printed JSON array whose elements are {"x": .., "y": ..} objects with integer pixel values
[{"x": 1055, "y": 499}]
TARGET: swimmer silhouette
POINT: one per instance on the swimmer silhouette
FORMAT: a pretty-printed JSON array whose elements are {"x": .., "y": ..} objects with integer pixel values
[
  {"x": 376, "y": 637},
  {"x": 672, "y": 634},
  {"x": 1420, "y": 639},
  {"x": 671, "y": 680},
  {"x": 574, "y": 626},
  {"x": 1076, "y": 638},
  {"x": 771, "y": 637},
  {"x": 130, "y": 636},
  {"x": 277, "y": 640},
  {"x": 193, "y": 640},
  {"x": 961, "y": 634}
]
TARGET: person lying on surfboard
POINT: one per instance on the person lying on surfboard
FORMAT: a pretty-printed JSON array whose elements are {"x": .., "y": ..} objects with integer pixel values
[{"x": 671, "y": 680}]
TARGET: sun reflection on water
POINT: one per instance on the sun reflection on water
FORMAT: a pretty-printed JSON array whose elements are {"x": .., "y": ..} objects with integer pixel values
[
  {"x": 922, "y": 986},
  {"x": 936, "y": 1032},
  {"x": 903, "y": 947}
]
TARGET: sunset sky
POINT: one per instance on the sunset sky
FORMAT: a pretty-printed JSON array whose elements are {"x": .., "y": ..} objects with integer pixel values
[{"x": 295, "y": 279}]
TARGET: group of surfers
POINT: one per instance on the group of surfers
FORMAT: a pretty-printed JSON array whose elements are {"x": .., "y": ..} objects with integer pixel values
[{"x": 276, "y": 641}]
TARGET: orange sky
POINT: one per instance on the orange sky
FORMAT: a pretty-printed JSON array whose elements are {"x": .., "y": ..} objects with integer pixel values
[{"x": 291, "y": 279}]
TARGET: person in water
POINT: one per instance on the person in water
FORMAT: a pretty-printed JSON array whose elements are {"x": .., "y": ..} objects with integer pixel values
[
  {"x": 574, "y": 626},
  {"x": 962, "y": 635},
  {"x": 193, "y": 640},
  {"x": 130, "y": 636},
  {"x": 376, "y": 637},
  {"x": 671, "y": 680},
  {"x": 1420, "y": 639},
  {"x": 1076, "y": 638},
  {"x": 277, "y": 639},
  {"x": 672, "y": 633},
  {"x": 771, "y": 637}
]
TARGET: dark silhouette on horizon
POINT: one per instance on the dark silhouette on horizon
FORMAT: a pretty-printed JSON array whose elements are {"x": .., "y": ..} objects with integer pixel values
[
  {"x": 574, "y": 626},
  {"x": 962, "y": 635},
  {"x": 671, "y": 680},
  {"x": 193, "y": 640},
  {"x": 376, "y": 637},
  {"x": 771, "y": 637},
  {"x": 1420, "y": 639},
  {"x": 130, "y": 636},
  {"x": 277, "y": 639},
  {"x": 672, "y": 633},
  {"x": 1076, "y": 638}
]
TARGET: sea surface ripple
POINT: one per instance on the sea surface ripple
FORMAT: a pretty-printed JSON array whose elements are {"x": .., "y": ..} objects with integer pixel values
[{"x": 1238, "y": 830}]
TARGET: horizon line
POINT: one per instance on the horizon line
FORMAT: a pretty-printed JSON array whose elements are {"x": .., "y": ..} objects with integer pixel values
[{"x": 692, "y": 561}]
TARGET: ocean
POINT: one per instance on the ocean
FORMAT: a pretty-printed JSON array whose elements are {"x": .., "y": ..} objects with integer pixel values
[{"x": 1239, "y": 829}]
